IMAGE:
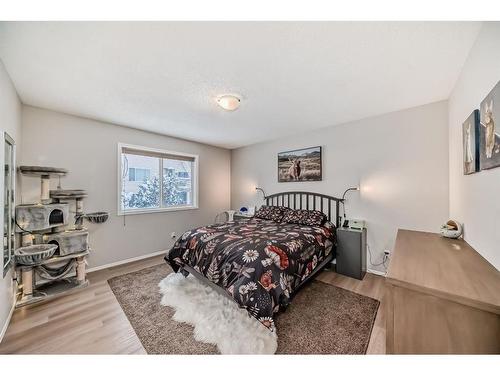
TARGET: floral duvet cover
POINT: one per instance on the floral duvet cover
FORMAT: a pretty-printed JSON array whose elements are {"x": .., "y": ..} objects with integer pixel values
[{"x": 258, "y": 262}]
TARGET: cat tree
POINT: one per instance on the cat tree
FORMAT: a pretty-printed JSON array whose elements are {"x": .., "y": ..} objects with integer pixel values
[{"x": 53, "y": 252}]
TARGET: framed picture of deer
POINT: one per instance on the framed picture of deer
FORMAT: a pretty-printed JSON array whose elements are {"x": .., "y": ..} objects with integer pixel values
[
  {"x": 300, "y": 165},
  {"x": 489, "y": 130},
  {"x": 470, "y": 134}
]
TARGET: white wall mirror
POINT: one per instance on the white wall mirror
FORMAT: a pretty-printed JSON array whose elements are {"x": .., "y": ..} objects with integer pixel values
[{"x": 8, "y": 199}]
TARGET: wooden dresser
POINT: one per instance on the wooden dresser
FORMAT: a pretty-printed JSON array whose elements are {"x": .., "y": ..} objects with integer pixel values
[{"x": 442, "y": 297}]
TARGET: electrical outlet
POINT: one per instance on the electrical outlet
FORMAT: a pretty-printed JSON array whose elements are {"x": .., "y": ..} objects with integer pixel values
[
  {"x": 173, "y": 235},
  {"x": 387, "y": 253}
]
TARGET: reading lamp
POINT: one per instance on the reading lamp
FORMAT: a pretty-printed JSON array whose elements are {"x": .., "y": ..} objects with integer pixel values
[
  {"x": 355, "y": 188},
  {"x": 261, "y": 190},
  {"x": 348, "y": 190}
]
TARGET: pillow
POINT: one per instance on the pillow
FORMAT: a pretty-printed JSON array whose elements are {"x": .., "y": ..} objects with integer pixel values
[
  {"x": 305, "y": 217},
  {"x": 274, "y": 213}
]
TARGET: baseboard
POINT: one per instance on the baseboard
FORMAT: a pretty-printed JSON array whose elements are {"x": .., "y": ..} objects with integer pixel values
[
  {"x": 125, "y": 261},
  {"x": 375, "y": 272},
  {"x": 7, "y": 321}
]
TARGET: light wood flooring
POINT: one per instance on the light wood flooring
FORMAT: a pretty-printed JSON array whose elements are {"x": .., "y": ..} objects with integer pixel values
[{"x": 90, "y": 321}]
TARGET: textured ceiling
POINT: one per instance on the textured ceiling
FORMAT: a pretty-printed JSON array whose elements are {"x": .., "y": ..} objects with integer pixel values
[{"x": 292, "y": 76}]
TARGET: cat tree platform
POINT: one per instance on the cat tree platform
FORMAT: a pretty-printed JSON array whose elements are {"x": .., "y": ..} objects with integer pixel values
[{"x": 33, "y": 291}]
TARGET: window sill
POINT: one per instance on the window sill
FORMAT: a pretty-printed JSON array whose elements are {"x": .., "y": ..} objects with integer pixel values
[{"x": 156, "y": 210}]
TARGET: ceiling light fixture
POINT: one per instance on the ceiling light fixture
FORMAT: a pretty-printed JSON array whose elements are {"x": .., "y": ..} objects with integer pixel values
[{"x": 228, "y": 102}]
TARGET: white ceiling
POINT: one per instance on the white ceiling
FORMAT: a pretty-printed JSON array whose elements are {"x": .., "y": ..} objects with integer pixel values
[{"x": 293, "y": 76}]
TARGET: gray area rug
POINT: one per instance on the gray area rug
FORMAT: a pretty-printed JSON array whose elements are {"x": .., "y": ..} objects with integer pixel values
[{"x": 322, "y": 318}]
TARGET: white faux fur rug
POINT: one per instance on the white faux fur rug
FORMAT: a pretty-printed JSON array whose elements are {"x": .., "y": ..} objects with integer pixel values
[{"x": 216, "y": 319}]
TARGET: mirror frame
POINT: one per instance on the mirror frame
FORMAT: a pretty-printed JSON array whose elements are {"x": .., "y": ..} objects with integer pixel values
[{"x": 11, "y": 209}]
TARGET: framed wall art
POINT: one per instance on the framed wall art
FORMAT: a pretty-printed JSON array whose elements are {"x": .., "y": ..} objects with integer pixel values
[
  {"x": 300, "y": 165},
  {"x": 470, "y": 135},
  {"x": 489, "y": 130}
]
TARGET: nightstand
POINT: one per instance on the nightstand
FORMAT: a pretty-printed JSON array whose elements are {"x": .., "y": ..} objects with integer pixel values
[
  {"x": 351, "y": 252},
  {"x": 240, "y": 216}
]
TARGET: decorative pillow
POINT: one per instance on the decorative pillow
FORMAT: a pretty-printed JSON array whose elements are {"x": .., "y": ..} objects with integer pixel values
[
  {"x": 305, "y": 217},
  {"x": 270, "y": 213}
]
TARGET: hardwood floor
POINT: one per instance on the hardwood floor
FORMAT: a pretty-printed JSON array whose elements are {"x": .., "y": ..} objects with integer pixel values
[{"x": 90, "y": 321}]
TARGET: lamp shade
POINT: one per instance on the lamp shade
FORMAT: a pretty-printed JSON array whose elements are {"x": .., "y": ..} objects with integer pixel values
[{"x": 228, "y": 102}]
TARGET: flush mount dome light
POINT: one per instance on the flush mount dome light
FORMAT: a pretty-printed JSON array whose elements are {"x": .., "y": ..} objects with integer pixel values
[{"x": 229, "y": 102}]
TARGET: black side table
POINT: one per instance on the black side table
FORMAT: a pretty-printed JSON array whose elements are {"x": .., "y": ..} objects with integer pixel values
[{"x": 351, "y": 252}]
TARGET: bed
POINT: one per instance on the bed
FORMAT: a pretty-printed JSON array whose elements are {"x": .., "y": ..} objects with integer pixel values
[{"x": 261, "y": 263}]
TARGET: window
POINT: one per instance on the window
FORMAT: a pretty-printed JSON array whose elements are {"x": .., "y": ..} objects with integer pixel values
[{"x": 156, "y": 180}]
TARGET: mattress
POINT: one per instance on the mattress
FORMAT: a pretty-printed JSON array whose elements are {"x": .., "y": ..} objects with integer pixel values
[{"x": 259, "y": 263}]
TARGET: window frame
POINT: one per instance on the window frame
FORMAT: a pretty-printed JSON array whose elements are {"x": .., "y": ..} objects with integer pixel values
[{"x": 166, "y": 153}]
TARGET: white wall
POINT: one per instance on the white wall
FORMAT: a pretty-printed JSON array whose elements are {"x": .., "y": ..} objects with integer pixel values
[
  {"x": 88, "y": 149},
  {"x": 10, "y": 122},
  {"x": 400, "y": 159},
  {"x": 475, "y": 199}
]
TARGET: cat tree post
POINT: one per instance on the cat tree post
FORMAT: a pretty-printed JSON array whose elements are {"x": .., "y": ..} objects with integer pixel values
[
  {"x": 80, "y": 269},
  {"x": 26, "y": 239},
  {"x": 79, "y": 213},
  {"x": 27, "y": 277},
  {"x": 45, "y": 188}
]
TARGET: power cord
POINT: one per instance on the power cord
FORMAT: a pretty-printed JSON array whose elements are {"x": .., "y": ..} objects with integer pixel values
[
  {"x": 384, "y": 260},
  {"x": 22, "y": 229}
]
